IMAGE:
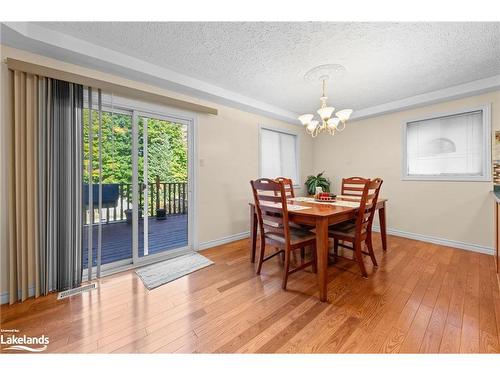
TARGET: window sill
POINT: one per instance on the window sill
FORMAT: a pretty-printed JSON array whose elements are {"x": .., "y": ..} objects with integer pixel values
[{"x": 448, "y": 178}]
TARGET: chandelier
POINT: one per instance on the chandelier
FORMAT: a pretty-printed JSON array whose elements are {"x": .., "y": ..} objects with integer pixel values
[{"x": 327, "y": 121}]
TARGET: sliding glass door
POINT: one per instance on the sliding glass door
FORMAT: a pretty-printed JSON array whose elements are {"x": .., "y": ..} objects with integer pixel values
[
  {"x": 162, "y": 163},
  {"x": 136, "y": 194}
]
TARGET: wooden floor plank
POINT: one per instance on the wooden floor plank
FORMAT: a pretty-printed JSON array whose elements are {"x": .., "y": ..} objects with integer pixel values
[
  {"x": 434, "y": 332},
  {"x": 415, "y": 335},
  {"x": 450, "y": 342}
]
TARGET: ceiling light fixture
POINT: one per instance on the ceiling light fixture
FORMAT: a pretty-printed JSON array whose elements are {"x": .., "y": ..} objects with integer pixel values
[{"x": 327, "y": 121}]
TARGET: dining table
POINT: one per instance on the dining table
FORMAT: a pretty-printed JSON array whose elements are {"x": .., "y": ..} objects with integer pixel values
[{"x": 320, "y": 215}]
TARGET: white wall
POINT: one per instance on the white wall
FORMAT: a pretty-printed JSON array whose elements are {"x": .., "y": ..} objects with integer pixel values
[
  {"x": 455, "y": 211},
  {"x": 228, "y": 153}
]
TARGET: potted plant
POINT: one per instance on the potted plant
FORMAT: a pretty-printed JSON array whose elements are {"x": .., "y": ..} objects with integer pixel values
[{"x": 313, "y": 182}]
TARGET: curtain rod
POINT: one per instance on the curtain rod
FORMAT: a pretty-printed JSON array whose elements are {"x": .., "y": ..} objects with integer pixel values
[{"x": 118, "y": 89}]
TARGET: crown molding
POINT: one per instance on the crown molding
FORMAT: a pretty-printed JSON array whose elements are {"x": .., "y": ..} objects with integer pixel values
[
  {"x": 454, "y": 92},
  {"x": 53, "y": 44}
]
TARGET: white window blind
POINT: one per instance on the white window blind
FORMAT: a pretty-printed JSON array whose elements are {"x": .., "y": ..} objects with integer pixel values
[
  {"x": 447, "y": 147},
  {"x": 278, "y": 155}
]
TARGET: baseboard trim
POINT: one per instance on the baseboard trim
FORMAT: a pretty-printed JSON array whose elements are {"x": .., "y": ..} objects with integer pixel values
[
  {"x": 439, "y": 241},
  {"x": 395, "y": 232},
  {"x": 223, "y": 240}
]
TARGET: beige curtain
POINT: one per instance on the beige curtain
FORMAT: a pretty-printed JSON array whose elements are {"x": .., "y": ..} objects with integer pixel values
[
  {"x": 23, "y": 213},
  {"x": 44, "y": 187}
]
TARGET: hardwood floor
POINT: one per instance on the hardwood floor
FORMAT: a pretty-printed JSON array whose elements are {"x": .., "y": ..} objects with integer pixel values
[{"x": 423, "y": 298}]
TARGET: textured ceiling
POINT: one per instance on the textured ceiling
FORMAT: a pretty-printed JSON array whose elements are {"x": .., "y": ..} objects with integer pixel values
[{"x": 267, "y": 61}]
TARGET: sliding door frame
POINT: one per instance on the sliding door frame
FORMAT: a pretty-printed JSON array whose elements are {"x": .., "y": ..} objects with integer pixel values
[
  {"x": 137, "y": 108},
  {"x": 168, "y": 254}
]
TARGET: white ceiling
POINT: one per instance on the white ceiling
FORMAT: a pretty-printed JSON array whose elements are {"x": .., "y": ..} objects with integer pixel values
[{"x": 267, "y": 61}]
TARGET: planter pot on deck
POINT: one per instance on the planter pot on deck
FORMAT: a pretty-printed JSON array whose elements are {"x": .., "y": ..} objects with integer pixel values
[
  {"x": 128, "y": 216},
  {"x": 161, "y": 214}
]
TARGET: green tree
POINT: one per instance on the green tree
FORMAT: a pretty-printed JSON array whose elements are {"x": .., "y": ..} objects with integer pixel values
[{"x": 167, "y": 149}]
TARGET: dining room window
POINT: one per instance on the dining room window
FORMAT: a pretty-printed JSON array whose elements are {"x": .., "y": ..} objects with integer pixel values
[
  {"x": 278, "y": 154},
  {"x": 453, "y": 146}
]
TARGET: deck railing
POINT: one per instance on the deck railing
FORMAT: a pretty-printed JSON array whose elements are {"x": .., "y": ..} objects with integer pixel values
[{"x": 169, "y": 196}]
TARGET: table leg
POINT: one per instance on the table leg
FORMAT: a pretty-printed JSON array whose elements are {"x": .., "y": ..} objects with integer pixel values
[
  {"x": 253, "y": 233},
  {"x": 383, "y": 228},
  {"x": 322, "y": 258}
]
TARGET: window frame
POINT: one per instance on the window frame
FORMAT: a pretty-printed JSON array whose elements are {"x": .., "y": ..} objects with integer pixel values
[
  {"x": 486, "y": 147},
  {"x": 296, "y": 184}
]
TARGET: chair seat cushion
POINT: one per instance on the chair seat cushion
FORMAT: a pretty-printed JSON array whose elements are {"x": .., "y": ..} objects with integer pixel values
[
  {"x": 300, "y": 226},
  {"x": 296, "y": 236},
  {"x": 345, "y": 229}
]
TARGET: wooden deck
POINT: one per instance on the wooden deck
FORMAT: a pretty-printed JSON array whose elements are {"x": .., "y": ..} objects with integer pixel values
[
  {"x": 164, "y": 235},
  {"x": 422, "y": 298}
]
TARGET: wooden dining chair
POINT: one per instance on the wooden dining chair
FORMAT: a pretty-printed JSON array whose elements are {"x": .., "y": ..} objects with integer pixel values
[
  {"x": 288, "y": 186},
  {"x": 275, "y": 230},
  {"x": 353, "y": 186},
  {"x": 358, "y": 231},
  {"x": 290, "y": 193}
]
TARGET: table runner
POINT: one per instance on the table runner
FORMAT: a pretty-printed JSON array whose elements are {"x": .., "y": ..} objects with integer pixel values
[{"x": 341, "y": 203}]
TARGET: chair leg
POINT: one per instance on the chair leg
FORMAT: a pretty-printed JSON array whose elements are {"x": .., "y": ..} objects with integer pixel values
[
  {"x": 286, "y": 268},
  {"x": 262, "y": 249},
  {"x": 359, "y": 257},
  {"x": 314, "y": 257},
  {"x": 336, "y": 246},
  {"x": 369, "y": 245}
]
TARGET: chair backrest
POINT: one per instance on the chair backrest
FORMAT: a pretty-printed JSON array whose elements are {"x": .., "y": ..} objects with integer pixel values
[
  {"x": 288, "y": 186},
  {"x": 367, "y": 205},
  {"x": 270, "y": 204},
  {"x": 353, "y": 186}
]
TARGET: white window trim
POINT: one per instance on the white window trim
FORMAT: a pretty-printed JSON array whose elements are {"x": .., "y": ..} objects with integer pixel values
[
  {"x": 296, "y": 184},
  {"x": 486, "y": 109}
]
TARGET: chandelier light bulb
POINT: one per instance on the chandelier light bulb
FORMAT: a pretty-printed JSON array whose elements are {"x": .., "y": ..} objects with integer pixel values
[
  {"x": 312, "y": 125},
  {"x": 344, "y": 114},
  {"x": 326, "y": 112},
  {"x": 333, "y": 122},
  {"x": 306, "y": 119}
]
